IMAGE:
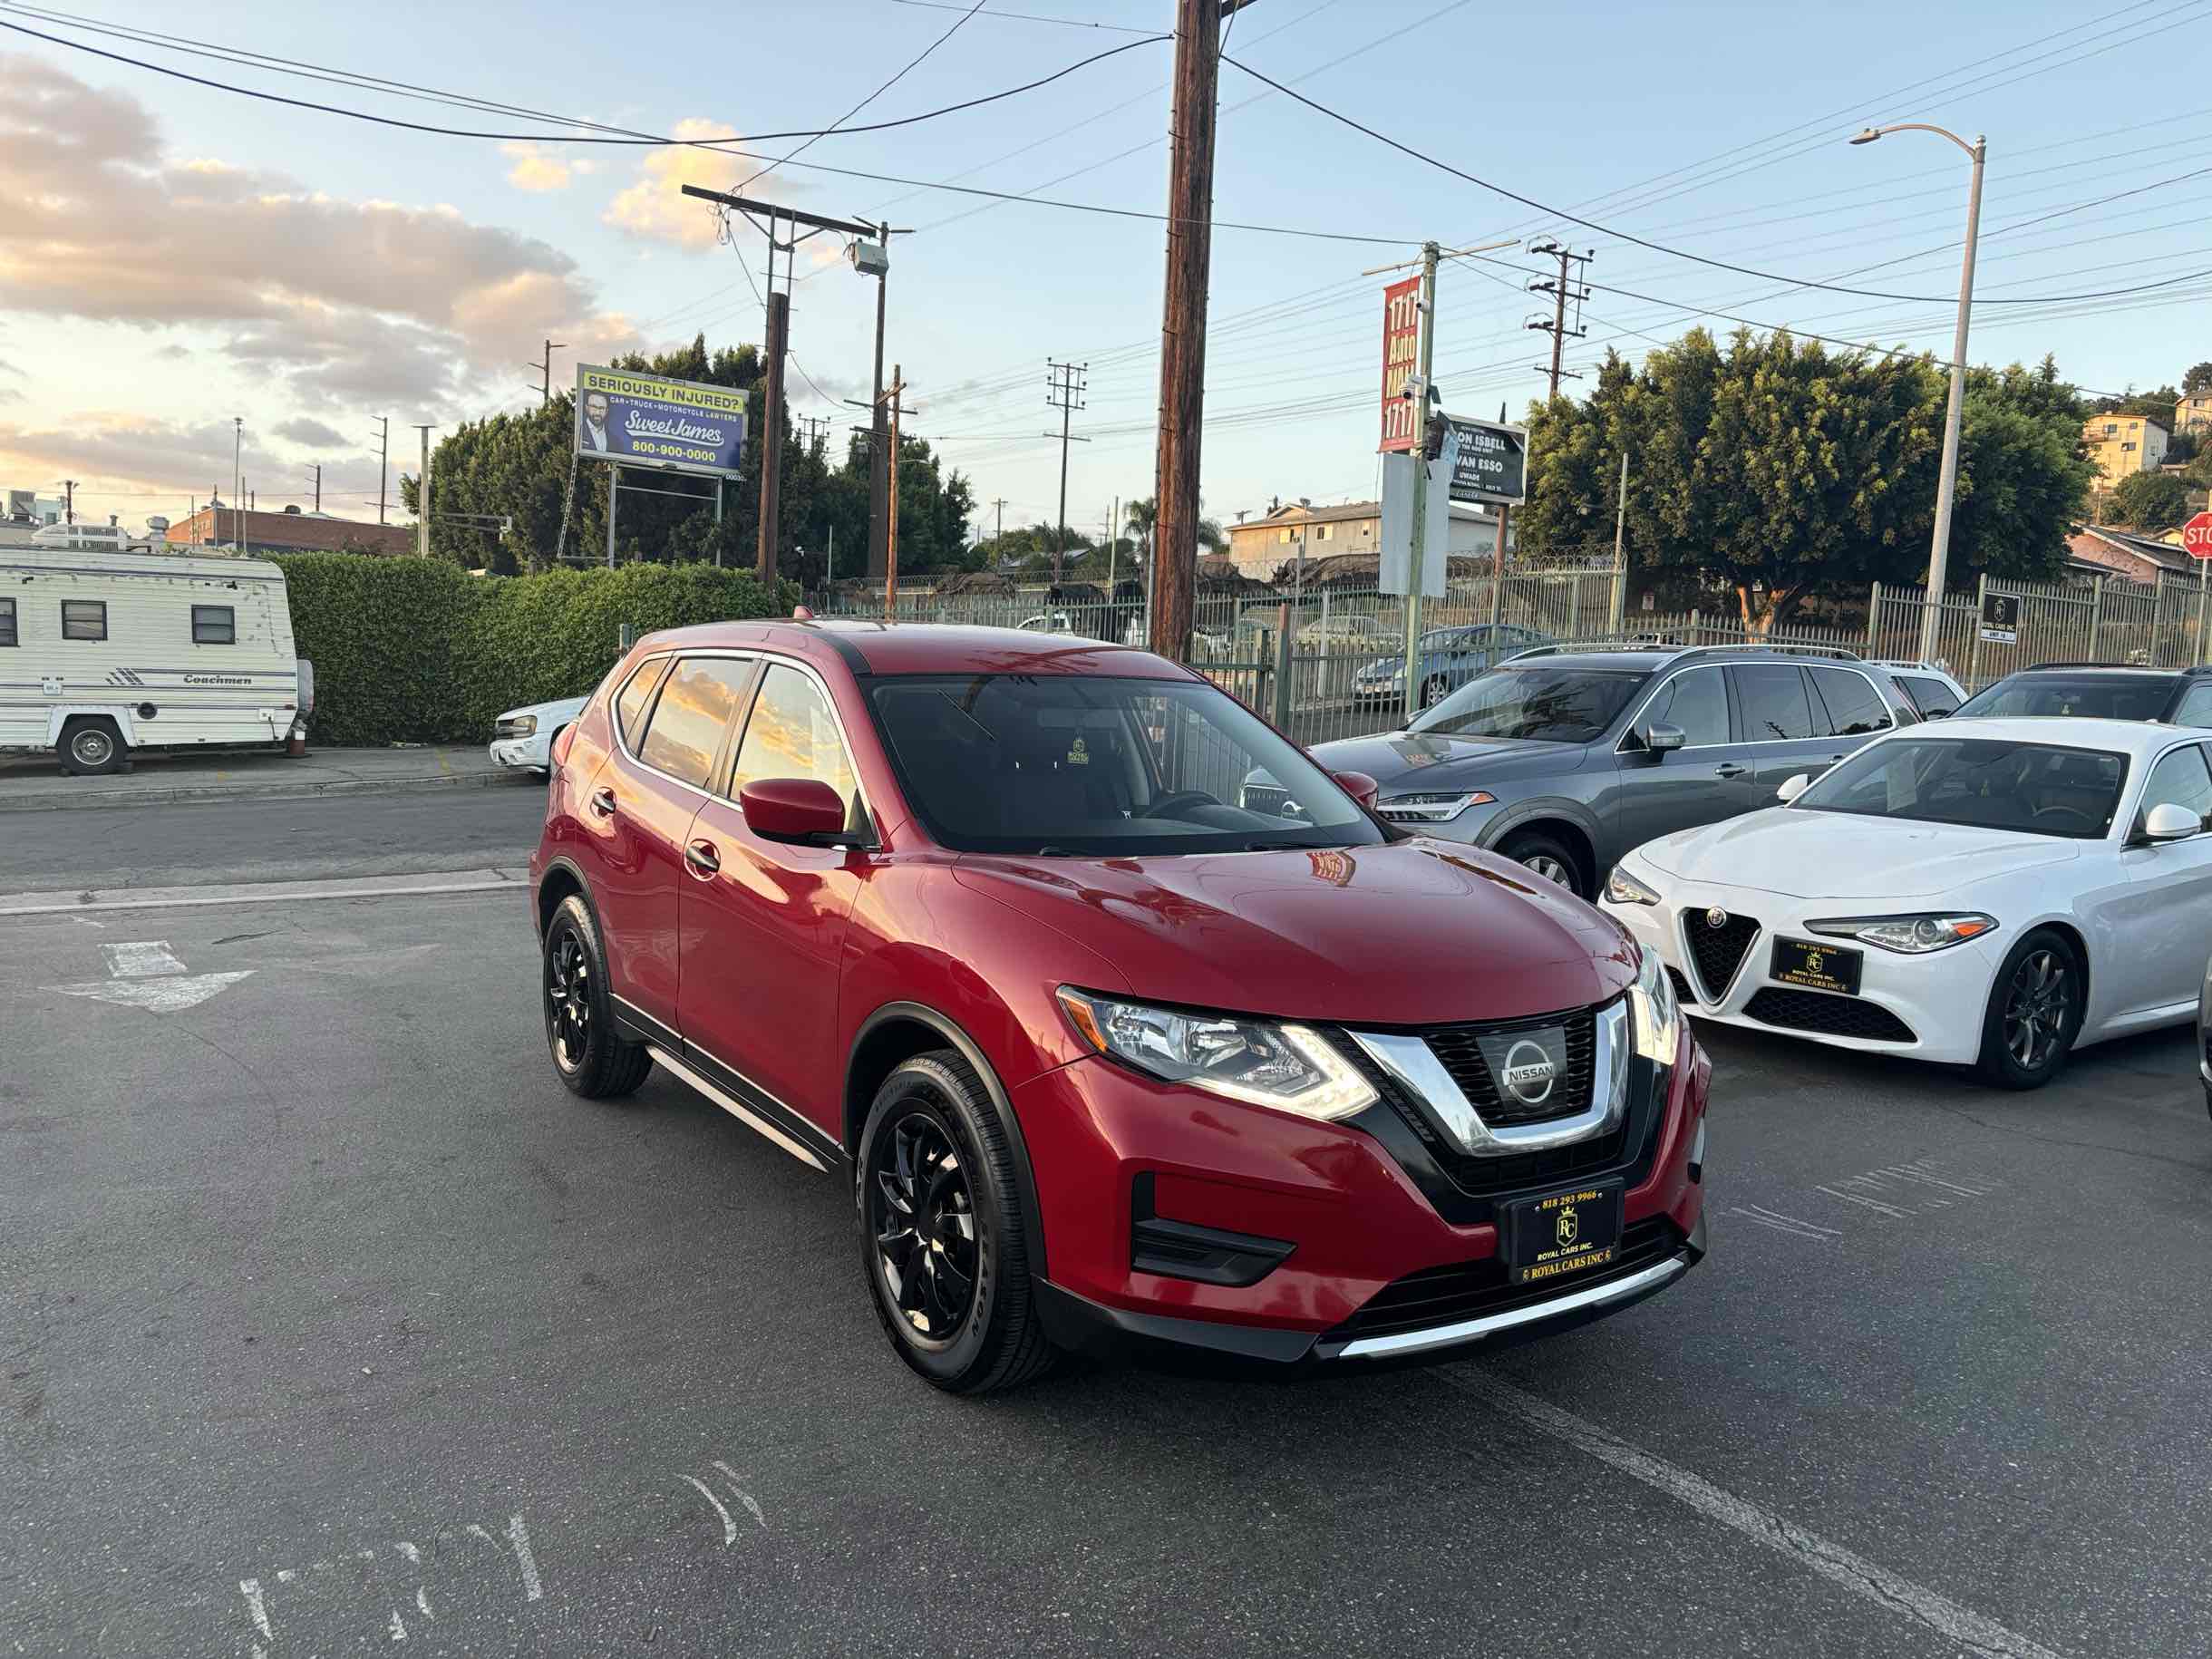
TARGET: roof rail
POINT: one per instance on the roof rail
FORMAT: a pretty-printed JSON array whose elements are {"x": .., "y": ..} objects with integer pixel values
[
  {"x": 1564, "y": 647},
  {"x": 2032, "y": 666},
  {"x": 1839, "y": 652}
]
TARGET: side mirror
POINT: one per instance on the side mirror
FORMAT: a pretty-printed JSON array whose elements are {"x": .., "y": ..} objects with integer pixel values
[
  {"x": 1665, "y": 739},
  {"x": 791, "y": 808},
  {"x": 2168, "y": 822},
  {"x": 1792, "y": 787},
  {"x": 1359, "y": 786}
]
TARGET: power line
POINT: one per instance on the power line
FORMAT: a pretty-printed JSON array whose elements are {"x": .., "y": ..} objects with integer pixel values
[
  {"x": 1073, "y": 23},
  {"x": 600, "y": 133}
]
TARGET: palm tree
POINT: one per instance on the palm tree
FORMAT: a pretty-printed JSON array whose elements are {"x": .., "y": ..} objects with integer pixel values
[{"x": 1140, "y": 519}]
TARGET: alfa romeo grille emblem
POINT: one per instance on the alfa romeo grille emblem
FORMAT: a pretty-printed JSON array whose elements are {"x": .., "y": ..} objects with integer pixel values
[
  {"x": 1529, "y": 1074},
  {"x": 1716, "y": 917}
]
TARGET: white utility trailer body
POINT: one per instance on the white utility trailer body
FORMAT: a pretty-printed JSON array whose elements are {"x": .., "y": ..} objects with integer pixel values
[{"x": 102, "y": 652}]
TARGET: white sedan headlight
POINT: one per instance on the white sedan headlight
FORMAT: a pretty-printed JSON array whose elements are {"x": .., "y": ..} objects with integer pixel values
[
  {"x": 1658, "y": 1016},
  {"x": 1289, "y": 1067},
  {"x": 1909, "y": 935},
  {"x": 1623, "y": 888}
]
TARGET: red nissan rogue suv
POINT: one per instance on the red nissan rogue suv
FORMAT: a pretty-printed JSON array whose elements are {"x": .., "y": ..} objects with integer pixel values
[{"x": 1116, "y": 1050}]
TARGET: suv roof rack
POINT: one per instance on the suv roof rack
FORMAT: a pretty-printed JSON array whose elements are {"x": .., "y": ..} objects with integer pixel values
[
  {"x": 1677, "y": 653},
  {"x": 2130, "y": 667}
]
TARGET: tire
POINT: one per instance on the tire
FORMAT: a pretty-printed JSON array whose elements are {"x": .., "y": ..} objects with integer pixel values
[
  {"x": 935, "y": 1183},
  {"x": 1433, "y": 691},
  {"x": 2026, "y": 1053},
  {"x": 579, "y": 1015},
  {"x": 1551, "y": 858},
  {"x": 91, "y": 747}
]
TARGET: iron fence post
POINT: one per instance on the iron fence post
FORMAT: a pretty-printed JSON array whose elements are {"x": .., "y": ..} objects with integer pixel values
[
  {"x": 1874, "y": 620},
  {"x": 1282, "y": 669},
  {"x": 2096, "y": 613}
]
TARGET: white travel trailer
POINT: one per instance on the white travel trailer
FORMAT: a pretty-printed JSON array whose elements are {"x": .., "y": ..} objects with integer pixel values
[{"x": 102, "y": 652}]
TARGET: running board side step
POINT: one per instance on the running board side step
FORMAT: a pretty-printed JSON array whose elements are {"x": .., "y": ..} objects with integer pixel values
[{"x": 737, "y": 1109}]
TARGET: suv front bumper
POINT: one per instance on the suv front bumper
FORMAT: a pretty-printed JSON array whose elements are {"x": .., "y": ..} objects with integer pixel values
[{"x": 1349, "y": 1220}]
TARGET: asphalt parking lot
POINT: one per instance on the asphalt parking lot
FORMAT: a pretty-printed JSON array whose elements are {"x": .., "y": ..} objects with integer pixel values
[{"x": 328, "y": 1320}]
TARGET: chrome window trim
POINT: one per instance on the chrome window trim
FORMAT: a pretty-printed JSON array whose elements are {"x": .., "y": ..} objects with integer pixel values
[
  {"x": 764, "y": 657},
  {"x": 1415, "y": 1066}
]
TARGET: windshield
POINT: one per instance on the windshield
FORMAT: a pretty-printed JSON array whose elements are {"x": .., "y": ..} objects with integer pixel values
[
  {"x": 1990, "y": 783},
  {"x": 1550, "y": 704},
  {"x": 1103, "y": 766},
  {"x": 2096, "y": 696}
]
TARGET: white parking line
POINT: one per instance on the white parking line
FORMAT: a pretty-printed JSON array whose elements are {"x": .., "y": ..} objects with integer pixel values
[
  {"x": 259, "y": 893},
  {"x": 1817, "y": 1555}
]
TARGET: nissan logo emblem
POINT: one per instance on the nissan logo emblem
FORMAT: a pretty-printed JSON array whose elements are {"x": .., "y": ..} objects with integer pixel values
[
  {"x": 1528, "y": 1072},
  {"x": 1716, "y": 917}
]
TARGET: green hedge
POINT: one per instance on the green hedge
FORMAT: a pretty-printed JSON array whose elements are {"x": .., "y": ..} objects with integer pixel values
[{"x": 409, "y": 650}]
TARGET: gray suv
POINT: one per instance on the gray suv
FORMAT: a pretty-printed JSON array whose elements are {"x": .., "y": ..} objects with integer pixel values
[{"x": 1565, "y": 757}]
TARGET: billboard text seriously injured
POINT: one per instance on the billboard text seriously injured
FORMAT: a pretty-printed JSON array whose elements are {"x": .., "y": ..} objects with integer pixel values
[{"x": 647, "y": 421}]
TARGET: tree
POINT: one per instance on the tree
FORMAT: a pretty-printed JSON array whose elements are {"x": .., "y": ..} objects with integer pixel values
[
  {"x": 2157, "y": 405},
  {"x": 2150, "y": 502},
  {"x": 2198, "y": 379},
  {"x": 1784, "y": 471}
]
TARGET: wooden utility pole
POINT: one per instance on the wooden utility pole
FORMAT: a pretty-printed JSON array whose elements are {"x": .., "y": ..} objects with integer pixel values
[
  {"x": 1067, "y": 381},
  {"x": 1561, "y": 291},
  {"x": 891, "y": 491},
  {"x": 384, "y": 462},
  {"x": 771, "y": 441},
  {"x": 1182, "y": 344}
]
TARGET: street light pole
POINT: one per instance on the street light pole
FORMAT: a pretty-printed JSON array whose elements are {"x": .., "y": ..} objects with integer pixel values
[{"x": 1946, "y": 488}]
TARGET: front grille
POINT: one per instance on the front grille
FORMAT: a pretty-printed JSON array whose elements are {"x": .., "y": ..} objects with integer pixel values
[
  {"x": 1680, "y": 982},
  {"x": 1459, "y": 1049},
  {"x": 1834, "y": 1016},
  {"x": 1626, "y": 1150},
  {"x": 1717, "y": 951},
  {"x": 1474, "y": 1290}
]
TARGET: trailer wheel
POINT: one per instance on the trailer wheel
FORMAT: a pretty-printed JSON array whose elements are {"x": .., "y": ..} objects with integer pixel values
[{"x": 91, "y": 746}]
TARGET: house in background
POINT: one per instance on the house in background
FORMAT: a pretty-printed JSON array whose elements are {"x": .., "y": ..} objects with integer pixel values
[
  {"x": 2193, "y": 413},
  {"x": 2123, "y": 443},
  {"x": 1260, "y": 546},
  {"x": 2105, "y": 551},
  {"x": 290, "y": 531}
]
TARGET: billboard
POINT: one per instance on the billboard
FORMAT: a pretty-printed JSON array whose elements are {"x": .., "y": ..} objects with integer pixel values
[
  {"x": 1401, "y": 351},
  {"x": 650, "y": 420},
  {"x": 1492, "y": 462}
]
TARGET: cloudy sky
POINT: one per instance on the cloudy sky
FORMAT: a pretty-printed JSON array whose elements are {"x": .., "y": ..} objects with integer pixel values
[{"x": 173, "y": 256}]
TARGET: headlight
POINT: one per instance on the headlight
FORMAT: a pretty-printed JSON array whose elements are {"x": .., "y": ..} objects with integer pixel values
[
  {"x": 1623, "y": 888},
  {"x": 1910, "y": 935},
  {"x": 1437, "y": 806},
  {"x": 519, "y": 726},
  {"x": 1658, "y": 1016},
  {"x": 1288, "y": 1067}
]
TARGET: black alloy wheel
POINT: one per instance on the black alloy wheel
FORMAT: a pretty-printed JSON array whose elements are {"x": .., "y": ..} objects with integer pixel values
[
  {"x": 2035, "y": 1009},
  {"x": 923, "y": 1216},
  {"x": 589, "y": 1056},
  {"x": 942, "y": 1234}
]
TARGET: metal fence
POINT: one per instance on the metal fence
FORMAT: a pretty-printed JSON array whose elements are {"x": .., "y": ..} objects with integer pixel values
[{"x": 1308, "y": 687}]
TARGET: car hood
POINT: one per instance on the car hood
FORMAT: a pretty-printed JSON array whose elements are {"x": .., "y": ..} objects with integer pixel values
[
  {"x": 1409, "y": 933},
  {"x": 566, "y": 708},
  {"x": 1809, "y": 854},
  {"x": 1392, "y": 759}
]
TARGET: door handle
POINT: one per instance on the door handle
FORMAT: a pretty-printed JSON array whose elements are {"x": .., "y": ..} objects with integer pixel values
[
  {"x": 603, "y": 801},
  {"x": 1729, "y": 769},
  {"x": 704, "y": 860}
]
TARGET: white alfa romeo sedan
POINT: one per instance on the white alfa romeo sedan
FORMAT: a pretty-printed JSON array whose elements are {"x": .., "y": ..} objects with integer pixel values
[{"x": 1981, "y": 892}]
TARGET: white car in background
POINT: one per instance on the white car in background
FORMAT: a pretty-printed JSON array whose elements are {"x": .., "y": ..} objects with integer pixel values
[
  {"x": 522, "y": 739},
  {"x": 1985, "y": 892}
]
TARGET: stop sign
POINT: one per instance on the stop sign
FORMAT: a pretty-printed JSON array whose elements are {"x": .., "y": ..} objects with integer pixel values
[{"x": 2196, "y": 536}]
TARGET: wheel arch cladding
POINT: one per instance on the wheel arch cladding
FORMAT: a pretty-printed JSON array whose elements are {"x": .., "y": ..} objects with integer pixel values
[
  {"x": 894, "y": 1035},
  {"x": 558, "y": 883}
]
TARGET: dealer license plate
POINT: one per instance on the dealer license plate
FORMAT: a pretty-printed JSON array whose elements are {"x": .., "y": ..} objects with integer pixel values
[
  {"x": 1563, "y": 1233},
  {"x": 1817, "y": 967}
]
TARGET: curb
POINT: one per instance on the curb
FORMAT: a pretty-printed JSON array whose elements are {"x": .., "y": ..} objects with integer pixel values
[
  {"x": 429, "y": 884},
  {"x": 79, "y": 800}
]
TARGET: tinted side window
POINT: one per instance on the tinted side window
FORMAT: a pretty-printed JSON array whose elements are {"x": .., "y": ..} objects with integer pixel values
[
  {"x": 631, "y": 699},
  {"x": 2196, "y": 708},
  {"x": 1853, "y": 707},
  {"x": 2180, "y": 780},
  {"x": 688, "y": 721},
  {"x": 1933, "y": 697},
  {"x": 1772, "y": 697},
  {"x": 793, "y": 734},
  {"x": 1697, "y": 702}
]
